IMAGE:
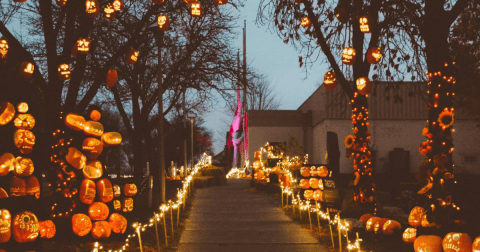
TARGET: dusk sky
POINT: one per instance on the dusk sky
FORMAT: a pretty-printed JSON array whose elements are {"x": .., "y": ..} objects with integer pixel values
[{"x": 267, "y": 53}]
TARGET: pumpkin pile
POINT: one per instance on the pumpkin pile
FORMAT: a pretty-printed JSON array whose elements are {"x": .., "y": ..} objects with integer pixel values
[{"x": 379, "y": 225}]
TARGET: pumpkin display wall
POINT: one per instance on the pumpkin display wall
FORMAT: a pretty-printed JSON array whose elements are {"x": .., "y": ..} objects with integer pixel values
[
  {"x": 105, "y": 190},
  {"x": 25, "y": 227},
  {"x": 7, "y": 112},
  {"x": 47, "y": 229},
  {"x": 5, "y": 225},
  {"x": 24, "y": 140},
  {"x": 81, "y": 224},
  {"x": 17, "y": 187}
]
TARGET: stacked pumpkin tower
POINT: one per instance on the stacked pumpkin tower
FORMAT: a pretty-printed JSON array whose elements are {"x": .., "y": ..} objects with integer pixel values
[{"x": 96, "y": 195}]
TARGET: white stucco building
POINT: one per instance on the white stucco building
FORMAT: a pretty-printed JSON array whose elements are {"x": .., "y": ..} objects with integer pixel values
[{"x": 397, "y": 115}]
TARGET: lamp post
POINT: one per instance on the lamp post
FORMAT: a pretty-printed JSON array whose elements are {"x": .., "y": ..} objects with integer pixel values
[{"x": 192, "y": 119}]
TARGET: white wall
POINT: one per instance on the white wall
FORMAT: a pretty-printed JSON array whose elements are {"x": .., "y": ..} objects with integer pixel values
[{"x": 258, "y": 136}]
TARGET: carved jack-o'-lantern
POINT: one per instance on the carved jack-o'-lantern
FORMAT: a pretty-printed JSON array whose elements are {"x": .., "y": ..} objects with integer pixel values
[
  {"x": 257, "y": 164},
  {"x": 105, "y": 190},
  {"x": 314, "y": 183},
  {"x": 330, "y": 81},
  {"x": 390, "y": 226},
  {"x": 64, "y": 72},
  {"x": 74, "y": 121},
  {"x": 101, "y": 230},
  {"x": 259, "y": 175},
  {"x": 348, "y": 56},
  {"x": 415, "y": 217},
  {"x": 157, "y": 1},
  {"x": 76, "y": 158},
  {"x": 305, "y": 171},
  {"x": 117, "y": 192},
  {"x": 308, "y": 194},
  {"x": 7, "y": 164},
  {"x": 47, "y": 229},
  {"x": 92, "y": 148},
  {"x": 92, "y": 8},
  {"x": 83, "y": 45},
  {"x": 365, "y": 23},
  {"x": 163, "y": 23},
  {"x": 304, "y": 183},
  {"x": 25, "y": 227},
  {"x": 93, "y": 128},
  {"x": 221, "y": 2},
  {"x": 196, "y": 9},
  {"x": 111, "y": 78},
  {"x": 17, "y": 187},
  {"x": 132, "y": 56},
  {"x": 98, "y": 211},
  {"x": 306, "y": 22},
  {"x": 22, "y": 107},
  {"x": 476, "y": 244},
  {"x": 317, "y": 195},
  {"x": 93, "y": 170},
  {"x": 3, "y": 193},
  {"x": 24, "y": 121},
  {"x": 409, "y": 235},
  {"x": 24, "y": 140},
  {"x": 87, "y": 191},
  {"x": 363, "y": 85},
  {"x": 5, "y": 224},
  {"x": 378, "y": 228},
  {"x": 26, "y": 69},
  {"x": 3, "y": 48},
  {"x": 364, "y": 218},
  {"x": 109, "y": 11},
  {"x": 33, "y": 186},
  {"x": 95, "y": 115},
  {"x": 117, "y": 5},
  {"x": 61, "y": 3},
  {"x": 322, "y": 171},
  {"x": 431, "y": 243},
  {"x": 7, "y": 112},
  {"x": 454, "y": 242},
  {"x": 127, "y": 205},
  {"x": 374, "y": 55},
  {"x": 370, "y": 226},
  {"x": 117, "y": 205},
  {"x": 81, "y": 224},
  {"x": 118, "y": 223},
  {"x": 130, "y": 189},
  {"x": 24, "y": 167}
]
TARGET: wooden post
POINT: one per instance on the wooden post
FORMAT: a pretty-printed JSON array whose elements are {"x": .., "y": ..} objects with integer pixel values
[
  {"x": 309, "y": 218},
  {"x": 358, "y": 243},
  {"x": 150, "y": 190},
  {"x": 139, "y": 239},
  {"x": 339, "y": 233},
  {"x": 178, "y": 215},
  {"x": 165, "y": 228},
  {"x": 171, "y": 220},
  {"x": 330, "y": 225},
  {"x": 282, "y": 198},
  {"x": 287, "y": 199},
  {"x": 300, "y": 209},
  {"x": 318, "y": 218},
  {"x": 156, "y": 230}
]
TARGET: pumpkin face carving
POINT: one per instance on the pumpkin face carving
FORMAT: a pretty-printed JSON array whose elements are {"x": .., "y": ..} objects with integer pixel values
[
  {"x": 64, "y": 71},
  {"x": 105, "y": 190},
  {"x": 365, "y": 24},
  {"x": 24, "y": 167},
  {"x": 92, "y": 148},
  {"x": 7, "y": 164},
  {"x": 370, "y": 226},
  {"x": 304, "y": 184},
  {"x": 431, "y": 243},
  {"x": 163, "y": 23},
  {"x": 3, "y": 48},
  {"x": 374, "y": 55},
  {"x": 93, "y": 128},
  {"x": 118, "y": 223},
  {"x": 196, "y": 9},
  {"x": 390, "y": 226},
  {"x": 33, "y": 186},
  {"x": 101, "y": 230},
  {"x": 109, "y": 11},
  {"x": 76, "y": 158},
  {"x": 25, "y": 227},
  {"x": 24, "y": 121},
  {"x": 17, "y": 187},
  {"x": 87, "y": 191},
  {"x": 129, "y": 189},
  {"x": 24, "y": 140},
  {"x": 330, "y": 81},
  {"x": 314, "y": 183},
  {"x": 93, "y": 170},
  {"x": 116, "y": 191},
  {"x": 363, "y": 85},
  {"x": 98, "y": 211},
  {"x": 5, "y": 224},
  {"x": 47, "y": 229},
  {"x": 454, "y": 242},
  {"x": 117, "y": 5},
  {"x": 415, "y": 217},
  {"x": 75, "y": 122},
  {"x": 26, "y": 69},
  {"x": 92, "y": 8},
  {"x": 111, "y": 139},
  {"x": 117, "y": 205},
  {"x": 132, "y": 56},
  {"x": 83, "y": 45},
  {"x": 409, "y": 235},
  {"x": 127, "y": 205},
  {"x": 308, "y": 194},
  {"x": 81, "y": 224},
  {"x": 22, "y": 107},
  {"x": 348, "y": 56},
  {"x": 7, "y": 112},
  {"x": 306, "y": 22},
  {"x": 305, "y": 171},
  {"x": 322, "y": 171}
]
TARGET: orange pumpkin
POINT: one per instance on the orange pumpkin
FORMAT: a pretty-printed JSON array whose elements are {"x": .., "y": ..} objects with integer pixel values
[
  {"x": 370, "y": 226},
  {"x": 92, "y": 8},
  {"x": 330, "y": 81},
  {"x": 304, "y": 183},
  {"x": 111, "y": 78},
  {"x": 117, "y": 5},
  {"x": 105, "y": 190},
  {"x": 308, "y": 194},
  {"x": 378, "y": 228},
  {"x": 5, "y": 225},
  {"x": 116, "y": 191},
  {"x": 364, "y": 218},
  {"x": 349, "y": 56},
  {"x": 22, "y": 107},
  {"x": 322, "y": 171},
  {"x": 3, "y": 193},
  {"x": 476, "y": 244},
  {"x": 7, "y": 112},
  {"x": 409, "y": 235},
  {"x": 63, "y": 72},
  {"x": 285, "y": 180},
  {"x": 132, "y": 56},
  {"x": 33, "y": 186},
  {"x": 93, "y": 170},
  {"x": 92, "y": 147},
  {"x": 129, "y": 189},
  {"x": 24, "y": 140},
  {"x": 111, "y": 139},
  {"x": 257, "y": 164},
  {"x": 431, "y": 243},
  {"x": 118, "y": 223},
  {"x": 259, "y": 175},
  {"x": 93, "y": 128},
  {"x": 27, "y": 69},
  {"x": 24, "y": 121},
  {"x": 317, "y": 195},
  {"x": 374, "y": 55},
  {"x": 163, "y": 23},
  {"x": 47, "y": 229},
  {"x": 76, "y": 158},
  {"x": 24, "y": 167},
  {"x": 81, "y": 224},
  {"x": 313, "y": 183},
  {"x": 87, "y": 191},
  {"x": 95, "y": 115},
  {"x": 127, "y": 205},
  {"x": 17, "y": 187},
  {"x": 390, "y": 226},
  {"x": 117, "y": 205},
  {"x": 305, "y": 171},
  {"x": 454, "y": 242},
  {"x": 98, "y": 211},
  {"x": 196, "y": 9},
  {"x": 415, "y": 217},
  {"x": 363, "y": 85},
  {"x": 7, "y": 164},
  {"x": 257, "y": 155},
  {"x": 74, "y": 121},
  {"x": 25, "y": 227},
  {"x": 101, "y": 230}
]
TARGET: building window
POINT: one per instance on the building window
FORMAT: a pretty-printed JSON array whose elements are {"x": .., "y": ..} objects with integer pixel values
[{"x": 470, "y": 159}]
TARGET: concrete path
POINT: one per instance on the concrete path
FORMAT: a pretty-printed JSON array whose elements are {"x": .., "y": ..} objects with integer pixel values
[{"x": 229, "y": 218}]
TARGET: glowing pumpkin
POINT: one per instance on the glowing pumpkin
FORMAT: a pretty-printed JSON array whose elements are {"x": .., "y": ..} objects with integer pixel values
[
  {"x": 81, "y": 224},
  {"x": 33, "y": 186},
  {"x": 305, "y": 171},
  {"x": 25, "y": 227},
  {"x": 431, "y": 243},
  {"x": 111, "y": 139},
  {"x": 7, "y": 164},
  {"x": 93, "y": 128},
  {"x": 476, "y": 244},
  {"x": 117, "y": 205},
  {"x": 98, "y": 211},
  {"x": 92, "y": 8},
  {"x": 76, "y": 158},
  {"x": 317, "y": 195},
  {"x": 24, "y": 121},
  {"x": 3, "y": 48},
  {"x": 415, "y": 217},
  {"x": 305, "y": 22},
  {"x": 105, "y": 190},
  {"x": 304, "y": 183},
  {"x": 365, "y": 23},
  {"x": 348, "y": 56},
  {"x": 5, "y": 225},
  {"x": 24, "y": 140},
  {"x": 87, "y": 191},
  {"x": 132, "y": 56},
  {"x": 308, "y": 194},
  {"x": 117, "y": 5},
  {"x": 163, "y": 23},
  {"x": 130, "y": 190},
  {"x": 363, "y": 85},
  {"x": 409, "y": 235},
  {"x": 93, "y": 170},
  {"x": 17, "y": 187},
  {"x": 101, "y": 230},
  {"x": 378, "y": 228},
  {"x": 330, "y": 81},
  {"x": 322, "y": 171},
  {"x": 390, "y": 226},
  {"x": 109, "y": 11},
  {"x": 118, "y": 223},
  {"x": 83, "y": 45},
  {"x": 374, "y": 55},
  {"x": 127, "y": 205},
  {"x": 22, "y": 107},
  {"x": 116, "y": 191},
  {"x": 257, "y": 164},
  {"x": 47, "y": 229},
  {"x": 24, "y": 167},
  {"x": 27, "y": 69},
  {"x": 370, "y": 226},
  {"x": 364, "y": 218},
  {"x": 111, "y": 78},
  {"x": 196, "y": 9},
  {"x": 92, "y": 148},
  {"x": 454, "y": 242},
  {"x": 64, "y": 72},
  {"x": 75, "y": 122},
  {"x": 7, "y": 112},
  {"x": 314, "y": 183}
]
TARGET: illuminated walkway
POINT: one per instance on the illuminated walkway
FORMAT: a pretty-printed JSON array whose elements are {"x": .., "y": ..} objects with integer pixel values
[{"x": 229, "y": 218}]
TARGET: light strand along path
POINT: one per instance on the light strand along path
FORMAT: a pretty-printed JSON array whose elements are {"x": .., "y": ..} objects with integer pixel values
[{"x": 229, "y": 218}]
